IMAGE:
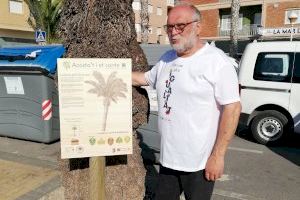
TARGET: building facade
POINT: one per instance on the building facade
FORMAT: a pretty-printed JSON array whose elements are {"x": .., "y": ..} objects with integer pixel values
[
  {"x": 157, "y": 12},
  {"x": 14, "y": 28},
  {"x": 255, "y": 16}
]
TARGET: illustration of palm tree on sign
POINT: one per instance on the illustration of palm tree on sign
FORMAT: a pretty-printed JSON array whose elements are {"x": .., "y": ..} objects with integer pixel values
[
  {"x": 110, "y": 90},
  {"x": 74, "y": 128}
]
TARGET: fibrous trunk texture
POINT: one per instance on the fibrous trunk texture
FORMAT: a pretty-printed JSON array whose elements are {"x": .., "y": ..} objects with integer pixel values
[
  {"x": 144, "y": 14},
  {"x": 105, "y": 29},
  {"x": 234, "y": 33}
]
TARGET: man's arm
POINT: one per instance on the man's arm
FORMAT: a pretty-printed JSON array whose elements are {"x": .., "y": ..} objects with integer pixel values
[
  {"x": 138, "y": 79},
  {"x": 228, "y": 124}
]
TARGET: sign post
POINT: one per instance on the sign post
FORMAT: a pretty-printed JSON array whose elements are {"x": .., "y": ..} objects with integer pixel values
[{"x": 95, "y": 104}]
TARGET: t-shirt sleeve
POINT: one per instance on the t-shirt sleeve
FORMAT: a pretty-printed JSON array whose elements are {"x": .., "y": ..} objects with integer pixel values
[
  {"x": 151, "y": 75},
  {"x": 226, "y": 85}
]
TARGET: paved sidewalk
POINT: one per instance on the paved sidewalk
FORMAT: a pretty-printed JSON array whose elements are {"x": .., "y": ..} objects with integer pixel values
[{"x": 28, "y": 170}]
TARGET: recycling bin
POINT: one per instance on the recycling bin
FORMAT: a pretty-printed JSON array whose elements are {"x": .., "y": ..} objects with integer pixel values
[{"x": 28, "y": 94}]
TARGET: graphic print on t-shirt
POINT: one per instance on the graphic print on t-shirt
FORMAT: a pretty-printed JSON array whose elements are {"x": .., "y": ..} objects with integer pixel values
[{"x": 168, "y": 92}]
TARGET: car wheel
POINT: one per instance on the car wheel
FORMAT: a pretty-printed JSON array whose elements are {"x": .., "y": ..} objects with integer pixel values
[{"x": 269, "y": 126}]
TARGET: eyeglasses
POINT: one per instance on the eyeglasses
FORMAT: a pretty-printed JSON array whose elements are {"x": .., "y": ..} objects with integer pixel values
[{"x": 178, "y": 27}]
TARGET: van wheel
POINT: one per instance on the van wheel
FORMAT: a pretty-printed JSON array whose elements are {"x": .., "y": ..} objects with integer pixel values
[{"x": 269, "y": 126}]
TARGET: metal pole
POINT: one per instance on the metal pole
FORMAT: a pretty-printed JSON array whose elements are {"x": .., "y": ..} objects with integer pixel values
[{"x": 291, "y": 39}]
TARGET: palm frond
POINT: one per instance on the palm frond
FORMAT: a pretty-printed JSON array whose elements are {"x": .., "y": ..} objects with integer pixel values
[
  {"x": 95, "y": 84},
  {"x": 114, "y": 99},
  {"x": 118, "y": 85},
  {"x": 34, "y": 11},
  {"x": 117, "y": 89},
  {"x": 99, "y": 78},
  {"x": 31, "y": 23},
  {"x": 111, "y": 78},
  {"x": 94, "y": 91},
  {"x": 46, "y": 15},
  {"x": 111, "y": 90},
  {"x": 55, "y": 15},
  {"x": 121, "y": 95},
  {"x": 97, "y": 87}
]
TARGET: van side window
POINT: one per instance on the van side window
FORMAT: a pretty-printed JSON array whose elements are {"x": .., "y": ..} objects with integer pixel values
[
  {"x": 273, "y": 67},
  {"x": 296, "y": 75}
]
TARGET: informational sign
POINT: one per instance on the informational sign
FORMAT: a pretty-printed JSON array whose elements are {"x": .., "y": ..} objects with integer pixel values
[
  {"x": 40, "y": 36},
  {"x": 14, "y": 85},
  {"x": 282, "y": 31},
  {"x": 95, "y": 106}
]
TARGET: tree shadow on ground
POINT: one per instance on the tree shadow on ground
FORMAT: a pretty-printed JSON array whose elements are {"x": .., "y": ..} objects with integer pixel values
[
  {"x": 151, "y": 165},
  {"x": 288, "y": 148}
]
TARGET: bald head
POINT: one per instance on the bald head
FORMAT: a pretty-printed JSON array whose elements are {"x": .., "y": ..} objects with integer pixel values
[{"x": 186, "y": 9}]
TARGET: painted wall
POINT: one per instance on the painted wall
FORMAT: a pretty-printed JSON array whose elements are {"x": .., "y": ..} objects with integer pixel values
[
  {"x": 275, "y": 13},
  {"x": 155, "y": 22},
  {"x": 14, "y": 25}
]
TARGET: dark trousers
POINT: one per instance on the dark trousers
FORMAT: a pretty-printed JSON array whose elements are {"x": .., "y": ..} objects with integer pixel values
[{"x": 172, "y": 183}]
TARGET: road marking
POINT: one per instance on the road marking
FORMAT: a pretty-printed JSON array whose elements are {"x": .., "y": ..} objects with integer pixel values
[
  {"x": 245, "y": 150},
  {"x": 225, "y": 177},
  {"x": 234, "y": 195}
]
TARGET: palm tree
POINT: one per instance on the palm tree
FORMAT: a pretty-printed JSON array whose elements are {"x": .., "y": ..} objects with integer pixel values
[
  {"x": 235, "y": 8},
  {"x": 144, "y": 21},
  {"x": 105, "y": 29},
  {"x": 110, "y": 91},
  {"x": 44, "y": 15}
]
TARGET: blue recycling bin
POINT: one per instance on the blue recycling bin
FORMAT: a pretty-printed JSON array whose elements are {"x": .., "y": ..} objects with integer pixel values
[{"x": 28, "y": 95}]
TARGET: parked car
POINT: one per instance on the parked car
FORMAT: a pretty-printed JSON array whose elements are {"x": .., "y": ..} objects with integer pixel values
[{"x": 269, "y": 77}]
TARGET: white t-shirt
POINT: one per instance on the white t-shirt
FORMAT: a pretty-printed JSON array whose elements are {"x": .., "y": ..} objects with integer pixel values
[{"x": 190, "y": 92}]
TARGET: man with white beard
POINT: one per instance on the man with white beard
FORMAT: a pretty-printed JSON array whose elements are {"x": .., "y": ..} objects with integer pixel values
[{"x": 198, "y": 108}]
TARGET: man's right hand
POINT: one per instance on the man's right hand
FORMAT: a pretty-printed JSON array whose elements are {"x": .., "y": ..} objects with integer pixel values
[{"x": 138, "y": 79}]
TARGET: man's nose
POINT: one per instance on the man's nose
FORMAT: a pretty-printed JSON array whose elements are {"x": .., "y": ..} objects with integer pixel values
[{"x": 174, "y": 31}]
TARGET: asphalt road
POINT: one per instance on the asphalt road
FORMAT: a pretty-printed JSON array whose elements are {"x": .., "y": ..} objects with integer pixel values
[{"x": 253, "y": 171}]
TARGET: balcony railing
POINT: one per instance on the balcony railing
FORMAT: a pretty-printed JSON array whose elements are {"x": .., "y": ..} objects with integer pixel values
[
  {"x": 225, "y": 1},
  {"x": 247, "y": 30},
  {"x": 170, "y": 2},
  {"x": 229, "y": 1}
]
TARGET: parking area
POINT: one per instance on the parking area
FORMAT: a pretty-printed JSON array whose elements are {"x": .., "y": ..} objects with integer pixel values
[
  {"x": 252, "y": 171},
  {"x": 255, "y": 172}
]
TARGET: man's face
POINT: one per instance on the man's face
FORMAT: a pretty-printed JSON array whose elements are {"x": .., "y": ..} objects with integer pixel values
[{"x": 184, "y": 35}]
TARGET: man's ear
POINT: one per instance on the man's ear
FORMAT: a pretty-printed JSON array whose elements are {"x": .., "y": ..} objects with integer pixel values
[{"x": 199, "y": 28}]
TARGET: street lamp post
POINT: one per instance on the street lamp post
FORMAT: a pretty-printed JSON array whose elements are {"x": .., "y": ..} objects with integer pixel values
[{"x": 293, "y": 18}]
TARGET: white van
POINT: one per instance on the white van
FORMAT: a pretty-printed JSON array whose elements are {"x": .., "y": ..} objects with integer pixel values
[{"x": 269, "y": 78}]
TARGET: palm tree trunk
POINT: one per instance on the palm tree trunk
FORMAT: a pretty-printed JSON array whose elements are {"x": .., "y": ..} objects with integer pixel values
[
  {"x": 105, "y": 106},
  {"x": 144, "y": 21},
  {"x": 235, "y": 8},
  {"x": 105, "y": 28}
]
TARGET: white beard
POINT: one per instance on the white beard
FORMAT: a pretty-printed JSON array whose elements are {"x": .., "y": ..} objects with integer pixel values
[{"x": 185, "y": 43}]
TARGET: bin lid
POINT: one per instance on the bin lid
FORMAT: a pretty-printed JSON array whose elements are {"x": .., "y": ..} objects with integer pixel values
[{"x": 34, "y": 56}]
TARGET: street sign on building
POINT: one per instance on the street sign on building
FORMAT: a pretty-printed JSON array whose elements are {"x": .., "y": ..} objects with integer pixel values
[
  {"x": 281, "y": 31},
  {"x": 40, "y": 36}
]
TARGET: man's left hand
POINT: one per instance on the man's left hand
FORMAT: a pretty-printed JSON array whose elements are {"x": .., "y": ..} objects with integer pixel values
[{"x": 214, "y": 167}]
